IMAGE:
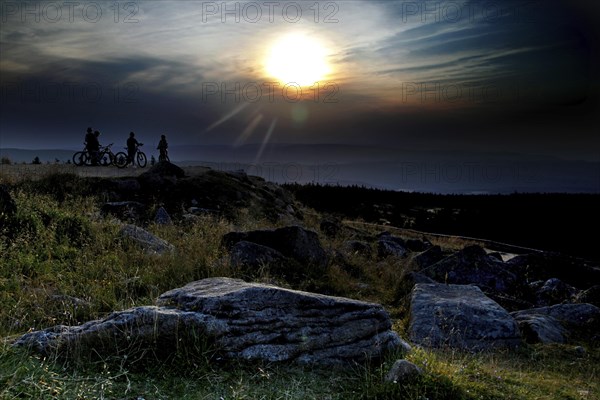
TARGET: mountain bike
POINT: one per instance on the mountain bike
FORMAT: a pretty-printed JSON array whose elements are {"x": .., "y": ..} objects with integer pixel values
[
  {"x": 140, "y": 157},
  {"x": 82, "y": 157},
  {"x": 164, "y": 156},
  {"x": 105, "y": 157}
]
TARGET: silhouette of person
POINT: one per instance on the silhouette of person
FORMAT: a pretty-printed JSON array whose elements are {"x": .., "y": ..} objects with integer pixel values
[
  {"x": 132, "y": 145},
  {"x": 93, "y": 145},
  {"x": 162, "y": 147},
  {"x": 89, "y": 135}
]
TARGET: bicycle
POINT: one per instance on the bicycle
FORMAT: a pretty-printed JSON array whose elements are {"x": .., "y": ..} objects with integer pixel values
[
  {"x": 164, "y": 156},
  {"x": 104, "y": 158},
  {"x": 82, "y": 157},
  {"x": 140, "y": 157}
]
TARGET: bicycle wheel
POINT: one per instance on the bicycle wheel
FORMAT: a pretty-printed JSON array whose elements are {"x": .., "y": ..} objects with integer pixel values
[
  {"x": 121, "y": 159},
  {"x": 80, "y": 158},
  {"x": 141, "y": 159},
  {"x": 104, "y": 160}
]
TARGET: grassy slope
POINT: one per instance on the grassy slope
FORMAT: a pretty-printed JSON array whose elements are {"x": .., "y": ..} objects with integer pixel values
[{"x": 64, "y": 248}]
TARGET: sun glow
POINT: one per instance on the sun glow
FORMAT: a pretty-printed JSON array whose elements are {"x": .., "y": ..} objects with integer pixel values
[{"x": 299, "y": 59}]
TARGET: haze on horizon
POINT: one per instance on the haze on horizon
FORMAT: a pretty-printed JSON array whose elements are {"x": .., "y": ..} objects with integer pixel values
[{"x": 473, "y": 77}]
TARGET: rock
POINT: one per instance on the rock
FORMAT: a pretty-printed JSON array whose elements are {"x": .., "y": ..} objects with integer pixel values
[
  {"x": 403, "y": 371},
  {"x": 161, "y": 180},
  {"x": 591, "y": 296},
  {"x": 146, "y": 240},
  {"x": 537, "y": 328},
  {"x": 459, "y": 316},
  {"x": 162, "y": 217},
  {"x": 254, "y": 257},
  {"x": 428, "y": 257},
  {"x": 121, "y": 332},
  {"x": 496, "y": 256},
  {"x": 357, "y": 247},
  {"x": 416, "y": 245},
  {"x": 389, "y": 248},
  {"x": 473, "y": 266},
  {"x": 555, "y": 291},
  {"x": 292, "y": 241},
  {"x": 576, "y": 320},
  {"x": 124, "y": 210},
  {"x": 331, "y": 228},
  {"x": 8, "y": 206},
  {"x": 70, "y": 301},
  {"x": 415, "y": 277},
  {"x": 240, "y": 320},
  {"x": 545, "y": 265},
  {"x": 164, "y": 169}
]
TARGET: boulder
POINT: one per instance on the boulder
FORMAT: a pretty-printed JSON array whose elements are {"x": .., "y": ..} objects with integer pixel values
[
  {"x": 292, "y": 241},
  {"x": 574, "y": 271},
  {"x": 357, "y": 247},
  {"x": 387, "y": 247},
  {"x": 579, "y": 321},
  {"x": 555, "y": 291},
  {"x": 330, "y": 227},
  {"x": 537, "y": 328},
  {"x": 146, "y": 240},
  {"x": 428, "y": 257},
  {"x": 459, "y": 316},
  {"x": 162, "y": 217},
  {"x": 240, "y": 320},
  {"x": 591, "y": 296},
  {"x": 254, "y": 257},
  {"x": 417, "y": 245},
  {"x": 164, "y": 169},
  {"x": 472, "y": 265},
  {"x": 403, "y": 371}
]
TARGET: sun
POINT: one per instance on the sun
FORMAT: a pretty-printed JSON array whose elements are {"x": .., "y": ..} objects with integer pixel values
[{"x": 299, "y": 59}]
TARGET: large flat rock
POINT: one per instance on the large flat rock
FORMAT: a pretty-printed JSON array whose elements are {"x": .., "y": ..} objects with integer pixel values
[
  {"x": 242, "y": 320},
  {"x": 459, "y": 316}
]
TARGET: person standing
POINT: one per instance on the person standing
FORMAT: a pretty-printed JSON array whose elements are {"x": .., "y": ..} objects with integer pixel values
[
  {"x": 132, "y": 145},
  {"x": 162, "y": 148},
  {"x": 92, "y": 144}
]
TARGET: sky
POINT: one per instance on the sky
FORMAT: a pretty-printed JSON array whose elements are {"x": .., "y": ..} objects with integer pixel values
[{"x": 455, "y": 76}]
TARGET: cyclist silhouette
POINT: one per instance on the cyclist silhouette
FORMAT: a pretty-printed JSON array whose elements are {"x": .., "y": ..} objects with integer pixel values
[
  {"x": 162, "y": 147},
  {"x": 132, "y": 145}
]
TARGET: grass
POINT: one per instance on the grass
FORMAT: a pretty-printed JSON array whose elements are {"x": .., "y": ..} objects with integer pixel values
[{"x": 61, "y": 262}]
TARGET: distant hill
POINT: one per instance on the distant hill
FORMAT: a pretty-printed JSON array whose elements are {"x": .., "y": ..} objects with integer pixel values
[
  {"x": 25, "y": 155},
  {"x": 378, "y": 167}
]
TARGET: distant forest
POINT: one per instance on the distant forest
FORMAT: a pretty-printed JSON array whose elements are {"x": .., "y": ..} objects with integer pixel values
[{"x": 553, "y": 222}]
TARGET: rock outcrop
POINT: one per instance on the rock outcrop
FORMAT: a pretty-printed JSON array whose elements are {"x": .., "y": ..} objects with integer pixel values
[
  {"x": 252, "y": 257},
  {"x": 473, "y": 266},
  {"x": 403, "y": 371},
  {"x": 555, "y": 291},
  {"x": 459, "y": 316},
  {"x": 292, "y": 241},
  {"x": 559, "y": 323},
  {"x": 389, "y": 245},
  {"x": 241, "y": 320},
  {"x": 146, "y": 240}
]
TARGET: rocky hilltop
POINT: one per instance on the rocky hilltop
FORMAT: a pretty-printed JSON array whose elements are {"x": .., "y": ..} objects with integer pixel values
[{"x": 298, "y": 287}]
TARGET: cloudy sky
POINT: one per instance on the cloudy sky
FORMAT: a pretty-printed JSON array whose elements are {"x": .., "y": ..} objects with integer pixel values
[{"x": 463, "y": 76}]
